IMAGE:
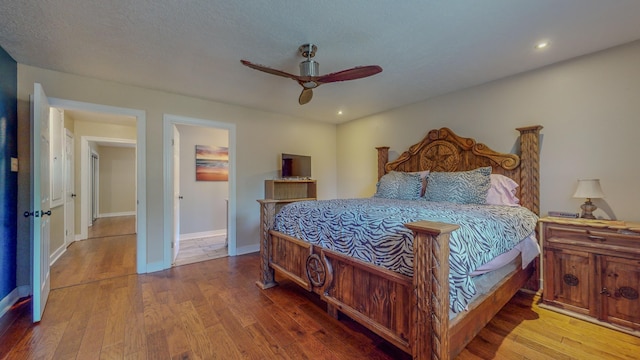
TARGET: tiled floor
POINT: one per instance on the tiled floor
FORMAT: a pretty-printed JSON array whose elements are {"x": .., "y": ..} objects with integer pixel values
[{"x": 195, "y": 250}]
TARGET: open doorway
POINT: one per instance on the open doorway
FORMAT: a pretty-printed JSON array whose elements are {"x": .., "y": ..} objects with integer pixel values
[
  {"x": 201, "y": 186},
  {"x": 41, "y": 185},
  {"x": 104, "y": 234},
  {"x": 199, "y": 212},
  {"x": 107, "y": 174},
  {"x": 104, "y": 227}
]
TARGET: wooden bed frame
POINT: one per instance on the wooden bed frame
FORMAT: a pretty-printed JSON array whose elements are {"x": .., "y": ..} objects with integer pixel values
[{"x": 410, "y": 312}]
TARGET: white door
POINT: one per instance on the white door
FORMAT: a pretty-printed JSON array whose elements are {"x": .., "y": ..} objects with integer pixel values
[
  {"x": 40, "y": 220},
  {"x": 69, "y": 190},
  {"x": 176, "y": 192}
]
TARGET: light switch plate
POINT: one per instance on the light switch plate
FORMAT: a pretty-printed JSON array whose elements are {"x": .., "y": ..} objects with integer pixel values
[{"x": 14, "y": 164}]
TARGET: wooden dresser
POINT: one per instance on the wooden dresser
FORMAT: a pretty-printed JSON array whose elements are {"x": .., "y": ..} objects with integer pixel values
[{"x": 591, "y": 270}]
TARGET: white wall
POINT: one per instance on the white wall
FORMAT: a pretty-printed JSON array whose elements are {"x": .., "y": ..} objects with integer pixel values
[
  {"x": 589, "y": 107},
  {"x": 203, "y": 205},
  {"x": 261, "y": 137},
  {"x": 117, "y": 176}
]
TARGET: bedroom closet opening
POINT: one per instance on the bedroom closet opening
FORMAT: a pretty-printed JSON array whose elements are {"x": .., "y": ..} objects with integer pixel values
[{"x": 200, "y": 174}]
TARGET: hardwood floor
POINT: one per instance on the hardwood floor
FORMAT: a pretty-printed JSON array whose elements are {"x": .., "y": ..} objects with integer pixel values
[
  {"x": 214, "y": 310},
  {"x": 113, "y": 226},
  {"x": 110, "y": 251}
]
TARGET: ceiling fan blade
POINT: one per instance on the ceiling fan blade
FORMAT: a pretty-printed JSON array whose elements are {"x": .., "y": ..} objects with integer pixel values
[
  {"x": 305, "y": 96},
  {"x": 349, "y": 74},
  {"x": 269, "y": 70}
]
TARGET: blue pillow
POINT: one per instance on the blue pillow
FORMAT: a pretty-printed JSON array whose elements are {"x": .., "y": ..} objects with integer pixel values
[
  {"x": 462, "y": 187},
  {"x": 399, "y": 185}
]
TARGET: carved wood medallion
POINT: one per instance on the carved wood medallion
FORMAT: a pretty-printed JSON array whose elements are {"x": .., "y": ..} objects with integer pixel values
[
  {"x": 571, "y": 279},
  {"x": 315, "y": 270},
  {"x": 440, "y": 156},
  {"x": 627, "y": 292}
]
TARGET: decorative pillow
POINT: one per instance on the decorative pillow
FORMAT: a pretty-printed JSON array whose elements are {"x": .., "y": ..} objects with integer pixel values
[
  {"x": 502, "y": 191},
  {"x": 423, "y": 177},
  {"x": 462, "y": 187},
  {"x": 399, "y": 185}
]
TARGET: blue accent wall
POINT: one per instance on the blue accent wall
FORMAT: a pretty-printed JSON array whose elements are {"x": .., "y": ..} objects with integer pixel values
[{"x": 8, "y": 179}]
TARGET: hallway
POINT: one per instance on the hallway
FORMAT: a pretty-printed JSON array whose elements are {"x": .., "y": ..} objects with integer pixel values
[{"x": 109, "y": 252}]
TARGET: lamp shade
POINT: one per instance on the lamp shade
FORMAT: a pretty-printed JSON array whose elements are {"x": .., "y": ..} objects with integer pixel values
[{"x": 589, "y": 189}]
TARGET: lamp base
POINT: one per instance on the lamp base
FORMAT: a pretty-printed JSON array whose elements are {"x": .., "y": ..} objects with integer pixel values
[{"x": 587, "y": 209}]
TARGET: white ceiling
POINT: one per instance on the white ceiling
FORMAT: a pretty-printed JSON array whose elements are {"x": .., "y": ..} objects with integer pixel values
[{"x": 426, "y": 47}]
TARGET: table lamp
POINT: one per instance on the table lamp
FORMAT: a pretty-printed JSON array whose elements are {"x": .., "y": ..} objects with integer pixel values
[{"x": 589, "y": 189}]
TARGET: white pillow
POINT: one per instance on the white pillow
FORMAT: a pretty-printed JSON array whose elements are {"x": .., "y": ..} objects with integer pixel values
[{"x": 503, "y": 191}]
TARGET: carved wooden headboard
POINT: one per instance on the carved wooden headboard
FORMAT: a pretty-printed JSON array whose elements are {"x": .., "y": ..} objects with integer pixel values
[{"x": 443, "y": 150}]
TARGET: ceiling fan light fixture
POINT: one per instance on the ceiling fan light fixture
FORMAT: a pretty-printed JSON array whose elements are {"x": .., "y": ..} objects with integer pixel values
[{"x": 309, "y": 84}]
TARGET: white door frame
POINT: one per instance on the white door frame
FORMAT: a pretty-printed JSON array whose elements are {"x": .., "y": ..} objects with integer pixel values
[
  {"x": 168, "y": 122},
  {"x": 176, "y": 193},
  {"x": 141, "y": 167},
  {"x": 89, "y": 196}
]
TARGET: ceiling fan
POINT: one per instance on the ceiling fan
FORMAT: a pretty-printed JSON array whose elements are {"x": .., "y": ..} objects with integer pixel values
[{"x": 309, "y": 78}]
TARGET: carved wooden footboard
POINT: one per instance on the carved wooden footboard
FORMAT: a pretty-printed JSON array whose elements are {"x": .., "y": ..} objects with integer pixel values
[
  {"x": 410, "y": 312},
  {"x": 380, "y": 299}
]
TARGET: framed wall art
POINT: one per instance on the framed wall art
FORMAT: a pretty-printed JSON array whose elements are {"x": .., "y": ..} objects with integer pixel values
[{"x": 212, "y": 163}]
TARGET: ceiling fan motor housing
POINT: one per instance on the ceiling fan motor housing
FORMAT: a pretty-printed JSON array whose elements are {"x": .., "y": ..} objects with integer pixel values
[{"x": 309, "y": 68}]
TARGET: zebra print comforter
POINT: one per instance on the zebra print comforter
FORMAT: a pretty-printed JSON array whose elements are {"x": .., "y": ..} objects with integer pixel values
[{"x": 372, "y": 230}]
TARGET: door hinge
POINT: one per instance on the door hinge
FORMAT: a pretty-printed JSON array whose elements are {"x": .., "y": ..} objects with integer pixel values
[{"x": 172, "y": 243}]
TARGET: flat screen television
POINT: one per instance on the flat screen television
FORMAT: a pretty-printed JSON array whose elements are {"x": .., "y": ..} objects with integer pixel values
[{"x": 296, "y": 166}]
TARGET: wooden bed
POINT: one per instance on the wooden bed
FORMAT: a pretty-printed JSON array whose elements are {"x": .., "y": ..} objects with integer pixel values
[{"x": 410, "y": 312}]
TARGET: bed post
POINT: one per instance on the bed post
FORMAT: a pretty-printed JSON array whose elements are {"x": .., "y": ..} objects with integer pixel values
[
  {"x": 383, "y": 158},
  {"x": 429, "y": 337},
  {"x": 530, "y": 168},
  {"x": 267, "y": 211}
]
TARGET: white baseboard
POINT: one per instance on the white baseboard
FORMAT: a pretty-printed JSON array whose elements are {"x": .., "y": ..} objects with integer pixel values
[
  {"x": 125, "y": 213},
  {"x": 24, "y": 290},
  {"x": 7, "y": 302},
  {"x": 248, "y": 249},
  {"x": 56, "y": 254},
  {"x": 203, "y": 234}
]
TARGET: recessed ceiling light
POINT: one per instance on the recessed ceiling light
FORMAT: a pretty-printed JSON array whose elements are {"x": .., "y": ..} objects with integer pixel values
[
  {"x": 339, "y": 112},
  {"x": 542, "y": 45}
]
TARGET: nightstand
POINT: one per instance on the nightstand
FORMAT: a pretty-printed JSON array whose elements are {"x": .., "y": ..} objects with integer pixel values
[{"x": 591, "y": 270}]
